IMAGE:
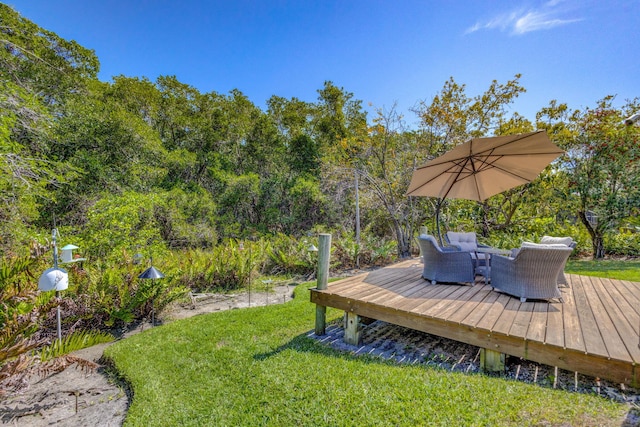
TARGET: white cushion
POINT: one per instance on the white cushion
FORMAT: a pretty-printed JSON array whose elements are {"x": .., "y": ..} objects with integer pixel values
[
  {"x": 545, "y": 246},
  {"x": 567, "y": 241}
]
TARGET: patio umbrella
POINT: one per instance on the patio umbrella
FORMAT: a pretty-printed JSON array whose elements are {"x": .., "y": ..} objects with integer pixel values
[{"x": 483, "y": 167}]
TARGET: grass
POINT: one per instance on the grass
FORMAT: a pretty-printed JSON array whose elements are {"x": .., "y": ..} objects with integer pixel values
[
  {"x": 612, "y": 269},
  {"x": 257, "y": 367}
]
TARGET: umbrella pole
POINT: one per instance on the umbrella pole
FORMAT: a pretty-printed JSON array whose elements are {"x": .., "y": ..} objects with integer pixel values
[{"x": 438, "y": 205}]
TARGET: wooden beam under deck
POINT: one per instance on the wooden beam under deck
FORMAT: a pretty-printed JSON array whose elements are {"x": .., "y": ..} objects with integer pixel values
[{"x": 594, "y": 331}]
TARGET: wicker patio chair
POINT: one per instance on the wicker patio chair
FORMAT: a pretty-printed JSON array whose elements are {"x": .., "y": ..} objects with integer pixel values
[
  {"x": 547, "y": 241},
  {"x": 533, "y": 273},
  {"x": 447, "y": 265},
  {"x": 568, "y": 241},
  {"x": 467, "y": 242}
]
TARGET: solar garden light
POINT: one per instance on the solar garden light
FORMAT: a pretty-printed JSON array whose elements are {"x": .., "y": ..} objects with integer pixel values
[
  {"x": 153, "y": 274},
  {"x": 56, "y": 278}
]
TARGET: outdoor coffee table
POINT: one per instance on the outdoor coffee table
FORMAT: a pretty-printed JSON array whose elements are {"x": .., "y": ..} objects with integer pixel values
[{"x": 485, "y": 270}]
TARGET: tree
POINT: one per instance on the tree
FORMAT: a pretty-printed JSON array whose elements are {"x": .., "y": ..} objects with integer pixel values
[
  {"x": 385, "y": 167},
  {"x": 452, "y": 117},
  {"x": 340, "y": 127},
  {"x": 38, "y": 72},
  {"x": 603, "y": 167}
]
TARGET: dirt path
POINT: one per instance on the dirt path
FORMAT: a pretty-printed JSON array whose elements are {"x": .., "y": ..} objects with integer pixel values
[{"x": 76, "y": 398}]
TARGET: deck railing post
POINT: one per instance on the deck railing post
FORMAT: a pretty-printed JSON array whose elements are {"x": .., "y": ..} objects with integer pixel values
[{"x": 324, "y": 256}]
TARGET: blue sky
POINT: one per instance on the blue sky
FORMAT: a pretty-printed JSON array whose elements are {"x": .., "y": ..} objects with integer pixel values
[{"x": 384, "y": 52}]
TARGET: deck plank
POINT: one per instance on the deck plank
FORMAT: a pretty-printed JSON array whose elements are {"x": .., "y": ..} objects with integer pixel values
[
  {"x": 573, "y": 336},
  {"x": 522, "y": 319},
  {"x": 538, "y": 323},
  {"x": 593, "y": 341},
  {"x": 504, "y": 322},
  {"x": 555, "y": 327},
  {"x": 437, "y": 294},
  {"x": 471, "y": 305},
  {"x": 613, "y": 342}
]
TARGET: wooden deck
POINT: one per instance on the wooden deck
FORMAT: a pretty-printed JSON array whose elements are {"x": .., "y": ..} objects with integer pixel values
[{"x": 593, "y": 332}]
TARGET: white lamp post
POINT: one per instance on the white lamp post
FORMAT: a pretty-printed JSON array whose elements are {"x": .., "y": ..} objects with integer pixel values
[{"x": 57, "y": 279}]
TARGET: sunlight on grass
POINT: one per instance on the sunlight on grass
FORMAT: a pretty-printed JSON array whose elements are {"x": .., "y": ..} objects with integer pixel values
[
  {"x": 256, "y": 366},
  {"x": 612, "y": 269}
]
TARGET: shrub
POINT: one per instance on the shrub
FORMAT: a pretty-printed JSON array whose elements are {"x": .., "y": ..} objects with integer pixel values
[
  {"x": 230, "y": 265},
  {"x": 20, "y": 316},
  {"x": 112, "y": 294},
  {"x": 287, "y": 255},
  {"x": 623, "y": 243}
]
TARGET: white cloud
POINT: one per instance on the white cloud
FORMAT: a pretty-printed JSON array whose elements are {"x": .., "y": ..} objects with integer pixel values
[{"x": 524, "y": 21}]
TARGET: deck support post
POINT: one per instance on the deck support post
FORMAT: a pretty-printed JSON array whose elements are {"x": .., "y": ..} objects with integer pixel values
[
  {"x": 352, "y": 328},
  {"x": 324, "y": 255},
  {"x": 491, "y": 360}
]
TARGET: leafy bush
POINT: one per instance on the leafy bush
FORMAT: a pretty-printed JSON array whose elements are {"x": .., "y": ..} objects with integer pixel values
[
  {"x": 371, "y": 250},
  {"x": 114, "y": 295},
  {"x": 155, "y": 222},
  {"x": 121, "y": 222},
  {"x": 287, "y": 255},
  {"x": 230, "y": 265},
  {"x": 623, "y": 243},
  {"x": 20, "y": 316}
]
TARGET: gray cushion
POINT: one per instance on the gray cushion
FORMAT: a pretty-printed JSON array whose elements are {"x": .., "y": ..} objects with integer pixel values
[{"x": 465, "y": 241}]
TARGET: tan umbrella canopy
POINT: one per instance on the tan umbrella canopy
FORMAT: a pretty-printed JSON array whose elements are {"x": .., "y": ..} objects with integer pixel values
[{"x": 483, "y": 167}]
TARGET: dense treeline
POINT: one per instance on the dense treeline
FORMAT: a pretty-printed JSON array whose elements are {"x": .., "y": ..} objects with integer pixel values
[{"x": 132, "y": 162}]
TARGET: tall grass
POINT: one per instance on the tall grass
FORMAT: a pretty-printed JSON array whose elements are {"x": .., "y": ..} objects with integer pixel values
[{"x": 257, "y": 367}]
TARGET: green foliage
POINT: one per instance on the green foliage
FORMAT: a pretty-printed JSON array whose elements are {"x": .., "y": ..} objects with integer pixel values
[
  {"x": 150, "y": 222},
  {"x": 228, "y": 266},
  {"x": 111, "y": 294},
  {"x": 72, "y": 342},
  {"x": 186, "y": 218},
  {"x": 122, "y": 222},
  {"x": 603, "y": 168},
  {"x": 238, "y": 205},
  {"x": 371, "y": 251},
  {"x": 287, "y": 255},
  {"x": 623, "y": 243},
  {"x": 40, "y": 60},
  {"x": 20, "y": 315}
]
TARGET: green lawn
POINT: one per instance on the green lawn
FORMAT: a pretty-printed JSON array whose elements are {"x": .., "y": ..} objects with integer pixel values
[
  {"x": 257, "y": 367},
  {"x": 623, "y": 270}
]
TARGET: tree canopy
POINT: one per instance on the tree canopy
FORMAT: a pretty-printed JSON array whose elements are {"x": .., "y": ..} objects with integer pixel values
[{"x": 159, "y": 162}]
